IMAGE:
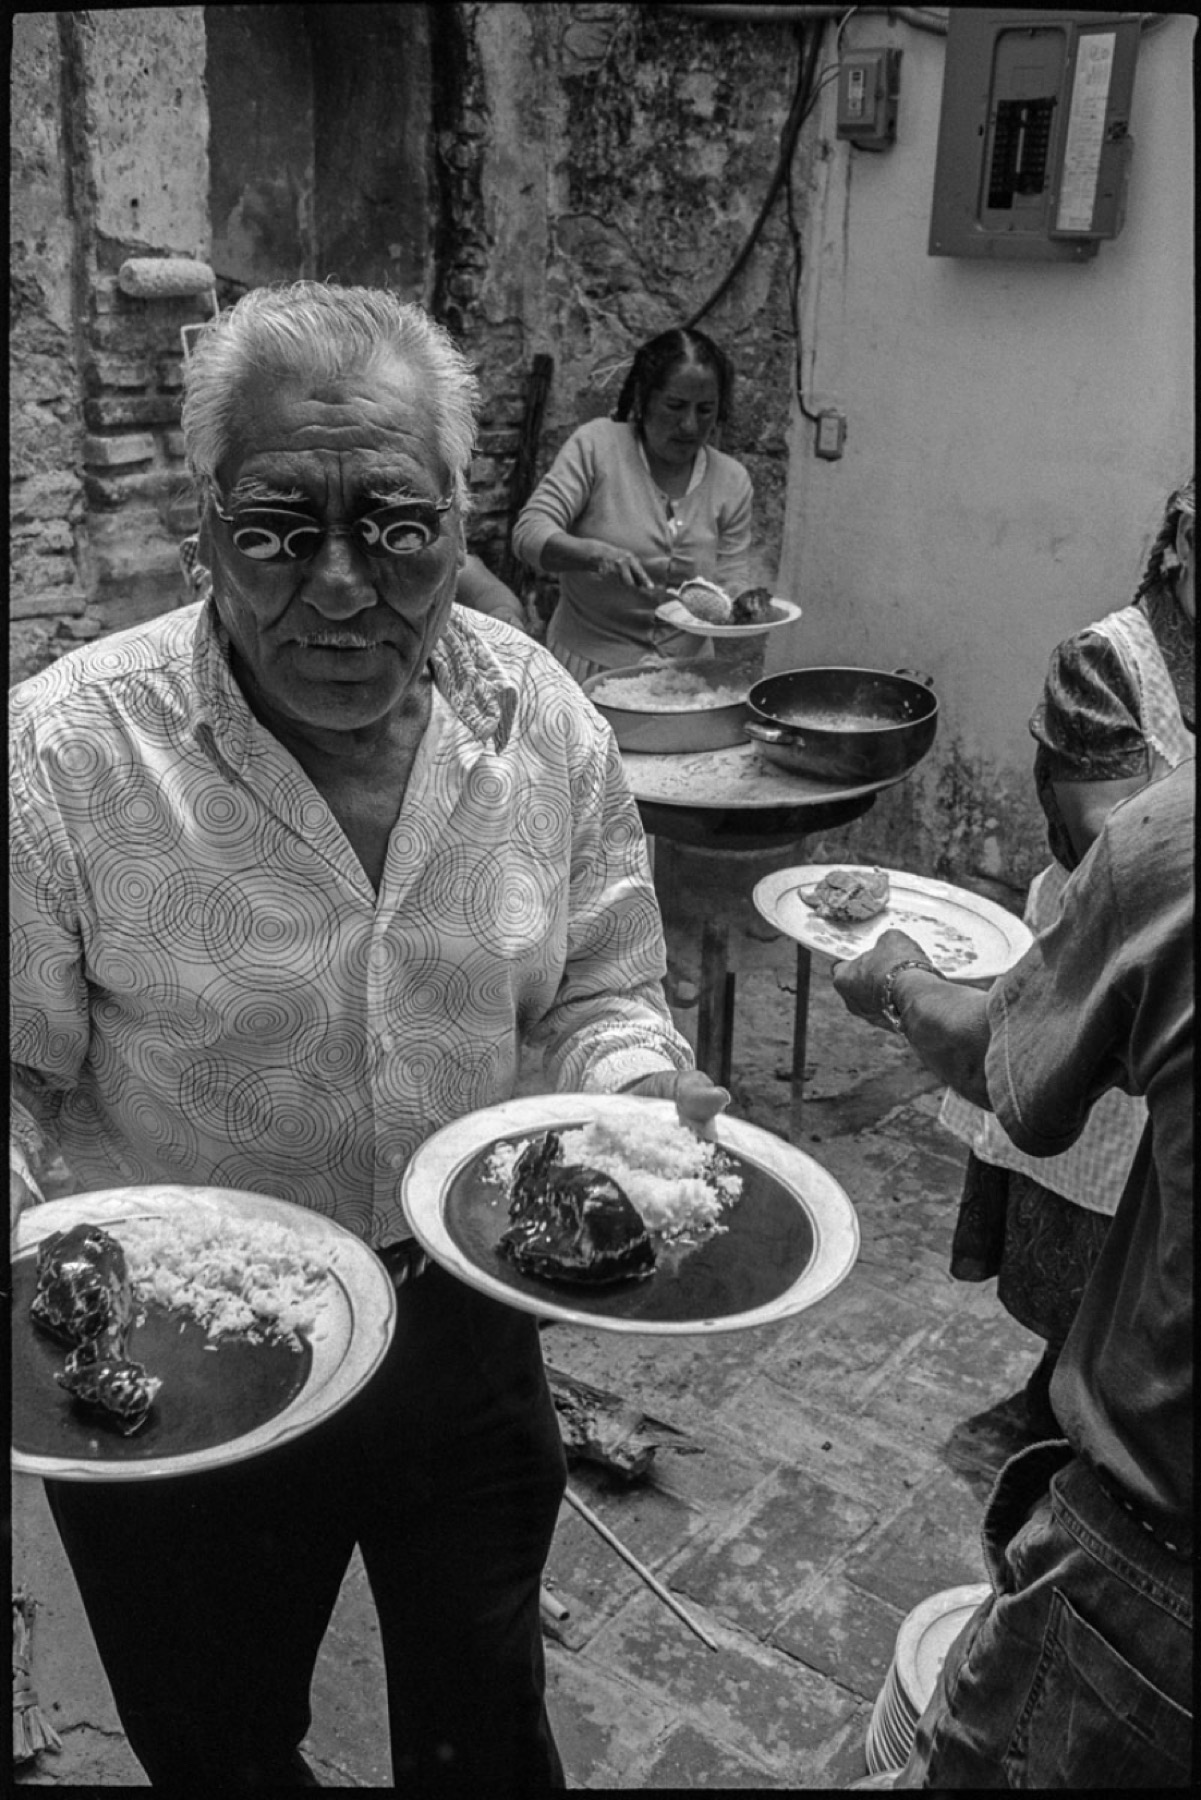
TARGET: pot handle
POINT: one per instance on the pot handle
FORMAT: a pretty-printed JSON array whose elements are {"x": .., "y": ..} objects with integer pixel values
[
  {"x": 916, "y": 675},
  {"x": 769, "y": 734}
]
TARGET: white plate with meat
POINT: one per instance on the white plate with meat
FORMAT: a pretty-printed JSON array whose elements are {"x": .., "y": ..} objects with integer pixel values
[
  {"x": 230, "y": 1370},
  {"x": 759, "y": 1234},
  {"x": 776, "y": 612},
  {"x": 967, "y": 937}
]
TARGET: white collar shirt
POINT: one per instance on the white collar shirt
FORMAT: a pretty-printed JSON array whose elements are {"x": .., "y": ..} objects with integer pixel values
[{"x": 208, "y": 990}]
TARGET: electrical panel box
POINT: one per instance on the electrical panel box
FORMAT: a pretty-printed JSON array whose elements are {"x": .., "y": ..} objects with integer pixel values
[
  {"x": 868, "y": 84},
  {"x": 1034, "y": 136}
]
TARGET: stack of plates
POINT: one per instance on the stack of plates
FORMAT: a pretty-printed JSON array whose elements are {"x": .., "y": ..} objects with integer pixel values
[{"x": 922, "y": 1644}]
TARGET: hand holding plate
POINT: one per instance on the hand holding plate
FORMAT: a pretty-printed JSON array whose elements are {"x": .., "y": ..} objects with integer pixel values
[{"x": 859, "y": 980}]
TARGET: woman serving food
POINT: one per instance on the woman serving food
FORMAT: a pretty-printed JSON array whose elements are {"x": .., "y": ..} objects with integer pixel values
[{"x": 639, "y": 503}]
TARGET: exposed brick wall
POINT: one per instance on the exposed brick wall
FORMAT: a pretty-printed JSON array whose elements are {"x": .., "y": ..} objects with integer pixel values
[{"x": 139, "y": 498}]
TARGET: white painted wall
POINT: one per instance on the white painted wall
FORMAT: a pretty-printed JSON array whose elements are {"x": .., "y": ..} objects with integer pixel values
[{"x": 1012, "y": 431}]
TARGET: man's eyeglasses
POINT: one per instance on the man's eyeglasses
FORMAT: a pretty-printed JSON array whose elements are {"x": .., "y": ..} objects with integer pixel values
[{"x": 283, "y": 531}]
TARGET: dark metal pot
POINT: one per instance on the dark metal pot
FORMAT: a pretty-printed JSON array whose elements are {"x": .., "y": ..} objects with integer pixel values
[{"x": 842, "y": 724}]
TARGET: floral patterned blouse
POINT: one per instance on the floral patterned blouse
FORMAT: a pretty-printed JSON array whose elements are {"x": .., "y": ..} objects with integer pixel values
[{"x": 1087, "y": 724}]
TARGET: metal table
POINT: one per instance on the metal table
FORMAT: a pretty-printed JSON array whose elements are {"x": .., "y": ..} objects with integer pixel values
[{"x": 720, "y": 820}]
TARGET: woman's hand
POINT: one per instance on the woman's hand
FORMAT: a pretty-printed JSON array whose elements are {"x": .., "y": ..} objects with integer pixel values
[
  {"x": 944, "y": 1025},
  {"x": 859, "y": 982},
  {"x": 670, "y": 571},
  {"x": 563, "y": 554},
  {"x": 617, "y": 565}
]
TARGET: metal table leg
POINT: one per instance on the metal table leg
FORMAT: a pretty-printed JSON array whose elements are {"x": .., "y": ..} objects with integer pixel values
[
  {"x": 682, "y": 894},
  {"x": 800, "y": 1039},
  {"x": 715, "y": 1015}
]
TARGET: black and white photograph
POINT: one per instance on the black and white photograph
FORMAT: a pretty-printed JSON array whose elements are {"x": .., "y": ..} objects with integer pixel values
[{"x": 602, "y": 720}]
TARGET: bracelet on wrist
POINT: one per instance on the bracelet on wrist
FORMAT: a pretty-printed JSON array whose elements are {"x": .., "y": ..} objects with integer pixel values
[{"x": 888, "y": 1005}]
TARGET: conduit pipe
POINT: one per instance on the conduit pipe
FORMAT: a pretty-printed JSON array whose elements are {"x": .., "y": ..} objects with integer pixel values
[
  {"x": 919, "y": 17},
  {"x": 800, "y": 15}
]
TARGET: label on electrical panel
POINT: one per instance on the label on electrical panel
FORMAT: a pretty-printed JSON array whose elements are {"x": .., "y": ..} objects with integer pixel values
[{"x": 1086, "y": 130}]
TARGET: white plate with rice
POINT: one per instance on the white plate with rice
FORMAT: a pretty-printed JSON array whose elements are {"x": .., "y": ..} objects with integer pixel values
[
  {"x": 260, "y": 1318},
  {"x": 748, "y": 1229}
]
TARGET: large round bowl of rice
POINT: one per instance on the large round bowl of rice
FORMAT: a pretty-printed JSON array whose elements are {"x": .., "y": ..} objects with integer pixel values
[{"x": 670, "y": 707}]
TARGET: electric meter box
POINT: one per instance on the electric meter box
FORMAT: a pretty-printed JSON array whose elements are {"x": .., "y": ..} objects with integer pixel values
[
  {"x": 1033, "y": 139},
  {"x": 868, "y": 84}
]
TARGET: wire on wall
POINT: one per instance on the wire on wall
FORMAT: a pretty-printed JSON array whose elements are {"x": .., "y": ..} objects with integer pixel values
[
  {"x": 809, "y": 24},
  {"x": 922, "y": 18},
  {"x": 794, "y": 294},
  {"x": 804, "y": 95}
]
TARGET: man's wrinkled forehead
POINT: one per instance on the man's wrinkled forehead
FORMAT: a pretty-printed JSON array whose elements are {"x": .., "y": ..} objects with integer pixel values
[{"x": 377, "y": 419}]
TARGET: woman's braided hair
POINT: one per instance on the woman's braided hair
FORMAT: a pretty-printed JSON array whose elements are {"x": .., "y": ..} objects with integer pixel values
[
  {"x": 658, "y": 359},
  {"x": 1162, "y": 562}
]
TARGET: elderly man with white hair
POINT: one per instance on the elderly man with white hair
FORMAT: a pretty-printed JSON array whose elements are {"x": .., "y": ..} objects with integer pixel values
[{"x": 298, "y": 870}]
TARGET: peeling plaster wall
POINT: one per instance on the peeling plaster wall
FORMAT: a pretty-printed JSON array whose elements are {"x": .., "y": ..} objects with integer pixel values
[
  {"x": 147, "y": 126},
  {"x": 47, "y": 597},
  {"x": 138, "y": 128},
  {"x": 1012, "y": 432},
  {"x": 109, "y": 133}
]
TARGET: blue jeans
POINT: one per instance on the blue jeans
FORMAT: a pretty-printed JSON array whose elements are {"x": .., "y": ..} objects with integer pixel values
[{"x": 1077, "y": 1670}]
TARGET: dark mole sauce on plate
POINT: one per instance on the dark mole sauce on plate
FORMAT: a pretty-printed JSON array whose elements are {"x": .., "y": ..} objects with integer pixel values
[{"x": 214, "y": 1389}]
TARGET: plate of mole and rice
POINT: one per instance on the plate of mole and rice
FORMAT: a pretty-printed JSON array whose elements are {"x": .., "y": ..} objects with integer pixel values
[
  {"x": 605, "y": 1210},
  {"x": 236, "y": 1322}
]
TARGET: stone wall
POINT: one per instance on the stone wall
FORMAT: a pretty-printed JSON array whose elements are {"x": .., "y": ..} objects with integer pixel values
[
  {"x": 109, "y": 163},
  {"x": 609, "y": 162},
  {"x": 555, "y": 181},
  {"x": 139, "y": 123},
  {"x": 47, "y": 578}
]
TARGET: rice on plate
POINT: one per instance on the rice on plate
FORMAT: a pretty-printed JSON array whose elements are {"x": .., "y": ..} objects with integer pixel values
[
  {"x": 252, "y": 1277},
  {"x": 680, "y": 1183}
]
